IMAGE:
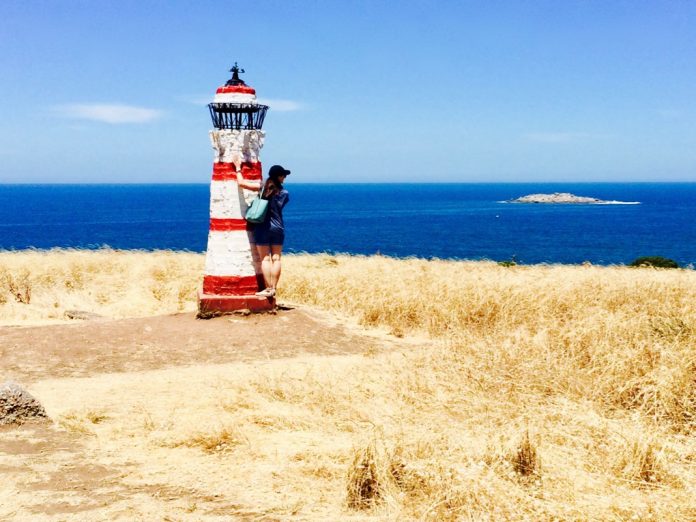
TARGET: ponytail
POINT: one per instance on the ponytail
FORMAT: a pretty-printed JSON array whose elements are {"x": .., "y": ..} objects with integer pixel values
[{"x": 271, "y": 188}]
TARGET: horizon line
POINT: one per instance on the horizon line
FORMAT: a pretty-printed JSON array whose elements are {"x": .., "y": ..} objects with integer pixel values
[{"x": 517, "y": 182}]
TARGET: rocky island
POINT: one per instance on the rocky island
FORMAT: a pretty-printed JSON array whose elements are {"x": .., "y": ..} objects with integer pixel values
[{"x": 567, "y": 197}]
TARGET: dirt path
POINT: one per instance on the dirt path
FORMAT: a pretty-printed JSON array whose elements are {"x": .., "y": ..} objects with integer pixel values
[
  {"x": 111, "y": 346},
  {"x": 111, "y": 469}
]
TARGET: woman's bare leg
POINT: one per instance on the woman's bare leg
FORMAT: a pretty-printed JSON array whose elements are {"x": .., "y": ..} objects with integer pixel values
[
  {"x": 276, "y": 251},
  {"x": 266, "y": 264}
]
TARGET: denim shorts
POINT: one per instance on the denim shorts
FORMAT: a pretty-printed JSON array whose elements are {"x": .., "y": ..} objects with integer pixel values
[{"x": 268, "y": 236}]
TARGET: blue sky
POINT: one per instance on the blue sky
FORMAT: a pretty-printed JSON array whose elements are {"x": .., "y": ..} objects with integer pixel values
[{"x": 360, "y": 91}]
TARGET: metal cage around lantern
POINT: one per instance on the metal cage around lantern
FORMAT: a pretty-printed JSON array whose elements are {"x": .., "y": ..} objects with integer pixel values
[{"x": 237, "y": 115}]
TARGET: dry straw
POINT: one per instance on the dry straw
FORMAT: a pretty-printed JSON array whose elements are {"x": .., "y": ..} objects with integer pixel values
[{"x": 596, "y": 363}]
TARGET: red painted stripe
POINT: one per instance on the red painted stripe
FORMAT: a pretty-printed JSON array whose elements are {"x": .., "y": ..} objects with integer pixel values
[
  {"x": 225, "y": 225},
  {"x": 224, "y": 171},
  {"x": 230, "y": 285},
  {"x": 251, "y": 170},
  {"x": 227, "y": 171},
  {"x": 245, "y": 89}
]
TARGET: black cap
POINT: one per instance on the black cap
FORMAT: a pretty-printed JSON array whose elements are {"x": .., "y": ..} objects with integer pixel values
[{"x": 277, "y": 170}]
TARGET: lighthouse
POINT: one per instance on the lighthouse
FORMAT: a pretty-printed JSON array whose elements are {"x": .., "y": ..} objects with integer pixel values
[{"x": 232, "y": 273}]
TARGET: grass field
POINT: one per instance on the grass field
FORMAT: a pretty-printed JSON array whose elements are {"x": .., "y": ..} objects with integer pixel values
[{"x": 543, "y": 392}]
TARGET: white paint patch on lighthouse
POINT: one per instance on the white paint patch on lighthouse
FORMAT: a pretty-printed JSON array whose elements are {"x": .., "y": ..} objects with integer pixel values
[
  {"x": 229, "y": 254},
  {"x": 227, "y": 200},
  {"x": 235, "y": 97},
  {"x": 236, "y": 146}
]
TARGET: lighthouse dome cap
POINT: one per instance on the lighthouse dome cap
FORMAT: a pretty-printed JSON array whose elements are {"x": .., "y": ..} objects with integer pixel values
[{"x": 277, "y": 170}]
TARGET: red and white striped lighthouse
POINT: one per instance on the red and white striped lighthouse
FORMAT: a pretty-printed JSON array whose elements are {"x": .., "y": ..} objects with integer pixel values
[{"x": 232, "y": 273}]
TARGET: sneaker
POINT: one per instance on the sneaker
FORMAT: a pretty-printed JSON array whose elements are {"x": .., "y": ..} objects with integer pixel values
[{"x": 266, "y": 292}]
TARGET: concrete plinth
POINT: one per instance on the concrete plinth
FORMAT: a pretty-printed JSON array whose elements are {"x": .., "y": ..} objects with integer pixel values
[{"x": 220, "y": 304}]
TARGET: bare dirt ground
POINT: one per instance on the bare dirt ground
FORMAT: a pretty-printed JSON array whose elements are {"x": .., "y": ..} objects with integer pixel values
[
  {"x": 94, "y": 463},
  {"x": 128, "y": 345}
]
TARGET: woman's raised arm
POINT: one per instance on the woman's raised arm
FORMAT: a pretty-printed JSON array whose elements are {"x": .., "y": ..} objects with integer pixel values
[{"x": 251, "y": 185}]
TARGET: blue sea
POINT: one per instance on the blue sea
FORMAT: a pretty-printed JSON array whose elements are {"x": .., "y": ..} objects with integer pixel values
[{"x": 461, "y": 221}]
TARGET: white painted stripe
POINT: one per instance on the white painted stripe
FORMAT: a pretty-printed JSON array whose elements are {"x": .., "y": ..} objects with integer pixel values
[
  {"x": 236, "y": 145},
  {"x": 227, "y": 200},
  {"x": 229, "y": 254},
  {"x": 234, "y": 97}
]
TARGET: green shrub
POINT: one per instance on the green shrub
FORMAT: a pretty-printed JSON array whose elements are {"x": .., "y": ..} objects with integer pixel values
[{"x": 655, "y": 261}]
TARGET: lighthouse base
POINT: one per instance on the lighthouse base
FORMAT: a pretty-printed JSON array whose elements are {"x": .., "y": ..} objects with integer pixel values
[{"x": 210, "y": 305}]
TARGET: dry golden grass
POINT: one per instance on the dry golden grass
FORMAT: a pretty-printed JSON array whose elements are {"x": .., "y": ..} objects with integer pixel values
[
  {"x": 41, "y": 286},
  {"x": 553, "y": 392},
  {"x": 220, "y": 440}
]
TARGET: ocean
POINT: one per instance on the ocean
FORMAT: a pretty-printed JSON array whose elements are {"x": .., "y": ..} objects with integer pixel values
[{"x": 458, "y": 221}]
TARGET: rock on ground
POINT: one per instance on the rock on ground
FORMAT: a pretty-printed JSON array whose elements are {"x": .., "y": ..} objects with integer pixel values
[{"x": 18, "y": 406}]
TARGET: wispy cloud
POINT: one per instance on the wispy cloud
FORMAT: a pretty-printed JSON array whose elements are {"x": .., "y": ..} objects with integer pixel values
[
  {"x": 282, "y": 105},
  {"x": 275, "y": 104},
  {"x": 198, "y": 100},
  {"x": 560, "y": 137},
  {"x": 108, "y": 113}
]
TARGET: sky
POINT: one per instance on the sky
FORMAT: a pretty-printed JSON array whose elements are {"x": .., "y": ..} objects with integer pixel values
[{"x": 98, "y": 91}]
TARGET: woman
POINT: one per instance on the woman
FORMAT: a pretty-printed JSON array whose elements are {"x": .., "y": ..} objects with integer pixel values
[{"x": 270, "y": 235}]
